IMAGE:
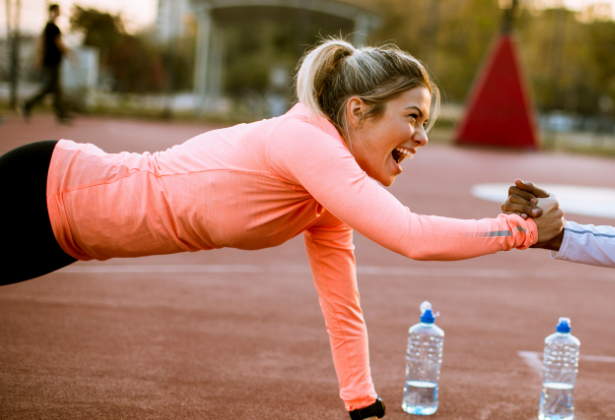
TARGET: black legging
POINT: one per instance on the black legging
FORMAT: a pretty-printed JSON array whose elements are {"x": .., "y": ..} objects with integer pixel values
[
  {"x": 51, "y": 84},
  {"x": 29, "y": 248}
]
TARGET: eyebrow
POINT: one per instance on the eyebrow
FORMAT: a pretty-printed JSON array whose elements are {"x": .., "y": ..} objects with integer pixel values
[{"x": 417, "y": 108}]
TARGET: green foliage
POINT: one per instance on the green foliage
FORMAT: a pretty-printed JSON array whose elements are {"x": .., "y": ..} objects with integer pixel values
[
  {"x": 135, "y": 63},
  {"x": 258, "y": 42},
  {"x": 569, "y": 64},
  {"x": 451, "y": 40},
  {"x": 253, "y": 49},
  {"x": 101, "y": 29},
  {"x": 602, "y": 52}
]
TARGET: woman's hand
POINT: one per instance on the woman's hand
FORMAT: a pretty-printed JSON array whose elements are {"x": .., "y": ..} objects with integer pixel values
[{"x": 552, "y": 221}]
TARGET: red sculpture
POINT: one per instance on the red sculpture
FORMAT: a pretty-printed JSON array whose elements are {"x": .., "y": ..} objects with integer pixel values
[{"x": 499, "y": 110}]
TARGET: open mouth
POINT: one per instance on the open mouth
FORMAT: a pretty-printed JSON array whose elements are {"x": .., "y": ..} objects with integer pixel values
[{"x": 400, "y": 153}]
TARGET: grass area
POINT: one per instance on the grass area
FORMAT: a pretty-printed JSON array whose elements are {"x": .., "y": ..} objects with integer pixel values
[
  {"x": 580, "y": 143},
  {"x": 574, "y": 142}
]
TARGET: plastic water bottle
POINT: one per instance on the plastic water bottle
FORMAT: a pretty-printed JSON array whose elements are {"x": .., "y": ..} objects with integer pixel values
[
  {"x": 423, "y": 360},
  {"x": 559, "y": 371}
]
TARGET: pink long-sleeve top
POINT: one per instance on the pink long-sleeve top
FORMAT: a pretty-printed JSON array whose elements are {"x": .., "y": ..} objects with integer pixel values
[{"x": 255, "y": 186}]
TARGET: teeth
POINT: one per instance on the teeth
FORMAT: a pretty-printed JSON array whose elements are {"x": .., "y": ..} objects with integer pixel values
[{"x": 404, "y": 151}]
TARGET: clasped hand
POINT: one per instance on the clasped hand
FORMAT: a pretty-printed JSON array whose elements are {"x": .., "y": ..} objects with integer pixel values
[{"x": 527, "y": 200}]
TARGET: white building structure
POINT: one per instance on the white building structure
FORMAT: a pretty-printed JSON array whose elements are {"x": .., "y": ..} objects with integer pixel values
[
  {"x": 210, "y": 45},
  {"x": 171, "y": 18},
  {"x": 209, "y": 71},
  {"x": 80, "y": 77}
]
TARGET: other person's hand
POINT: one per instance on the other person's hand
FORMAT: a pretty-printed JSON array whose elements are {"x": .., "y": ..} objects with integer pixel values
[
  {"x": 523, "y": 198},
  {"x": 551, "y": 222}
]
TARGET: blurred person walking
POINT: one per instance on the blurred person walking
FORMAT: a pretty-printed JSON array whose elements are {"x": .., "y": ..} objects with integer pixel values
[{"x": 49, "y": 55}]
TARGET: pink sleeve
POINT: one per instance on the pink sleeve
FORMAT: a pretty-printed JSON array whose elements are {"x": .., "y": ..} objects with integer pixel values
[
  {"x": 302, "y": 153},
  {"x": 331, "y": 253}
]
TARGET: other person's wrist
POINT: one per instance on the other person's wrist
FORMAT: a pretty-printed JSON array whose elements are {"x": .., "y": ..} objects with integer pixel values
[{"x": 555, "y": 243}]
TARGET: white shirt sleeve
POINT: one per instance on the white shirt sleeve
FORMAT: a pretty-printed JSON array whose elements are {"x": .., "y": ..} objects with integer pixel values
[{"x": 587, "y": 244}]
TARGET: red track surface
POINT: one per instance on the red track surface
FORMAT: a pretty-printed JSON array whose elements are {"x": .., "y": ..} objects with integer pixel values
[{"x": 252, "y": 345}]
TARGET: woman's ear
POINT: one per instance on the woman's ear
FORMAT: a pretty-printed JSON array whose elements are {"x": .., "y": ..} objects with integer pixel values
[{"x": 355, "y": 109}]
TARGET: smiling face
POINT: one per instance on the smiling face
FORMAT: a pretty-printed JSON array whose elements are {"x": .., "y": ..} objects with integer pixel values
[{"x": 379, "y": 145}]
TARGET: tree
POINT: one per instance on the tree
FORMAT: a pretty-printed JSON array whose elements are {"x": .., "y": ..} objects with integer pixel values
[
  {"x": 568, "y": 57},
  {"x": 134, "y": 63}
]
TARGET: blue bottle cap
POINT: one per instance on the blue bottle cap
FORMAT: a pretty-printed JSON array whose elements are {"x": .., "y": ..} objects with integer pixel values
[
  {"x": 563, "y": 325},
  {"x": 427, "y": 317}
]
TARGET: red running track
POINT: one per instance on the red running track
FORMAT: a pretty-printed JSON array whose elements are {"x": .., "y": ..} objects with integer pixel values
[{"x": 231, "y": 334}]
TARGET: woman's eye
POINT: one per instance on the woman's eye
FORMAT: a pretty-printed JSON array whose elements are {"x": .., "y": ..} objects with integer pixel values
[{"x": 412, "y": 118}]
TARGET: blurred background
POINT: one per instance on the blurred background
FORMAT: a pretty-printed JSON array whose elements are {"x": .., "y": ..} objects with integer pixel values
[{"x": 233, "y": 60}]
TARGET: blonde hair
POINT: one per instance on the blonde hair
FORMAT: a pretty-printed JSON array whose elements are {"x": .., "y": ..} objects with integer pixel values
[{"x": 334, "y": 71}]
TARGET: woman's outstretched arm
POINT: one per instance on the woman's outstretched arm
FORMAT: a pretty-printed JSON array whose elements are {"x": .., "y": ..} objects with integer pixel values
[
  {"x": 331, "y": 254},
  {"x": 316, "y": 159}
]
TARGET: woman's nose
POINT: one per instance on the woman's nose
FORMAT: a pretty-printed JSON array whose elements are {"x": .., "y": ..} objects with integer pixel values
[{"x": 420, "y": 137}]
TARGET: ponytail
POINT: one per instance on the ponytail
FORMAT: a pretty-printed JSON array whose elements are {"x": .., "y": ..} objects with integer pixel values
[
  {"x": 334, "y": 71},
  {"x": 314, "y": 69}
]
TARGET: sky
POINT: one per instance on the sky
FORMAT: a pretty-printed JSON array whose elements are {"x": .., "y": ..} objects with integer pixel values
[{"x": 140, "y": 13}]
